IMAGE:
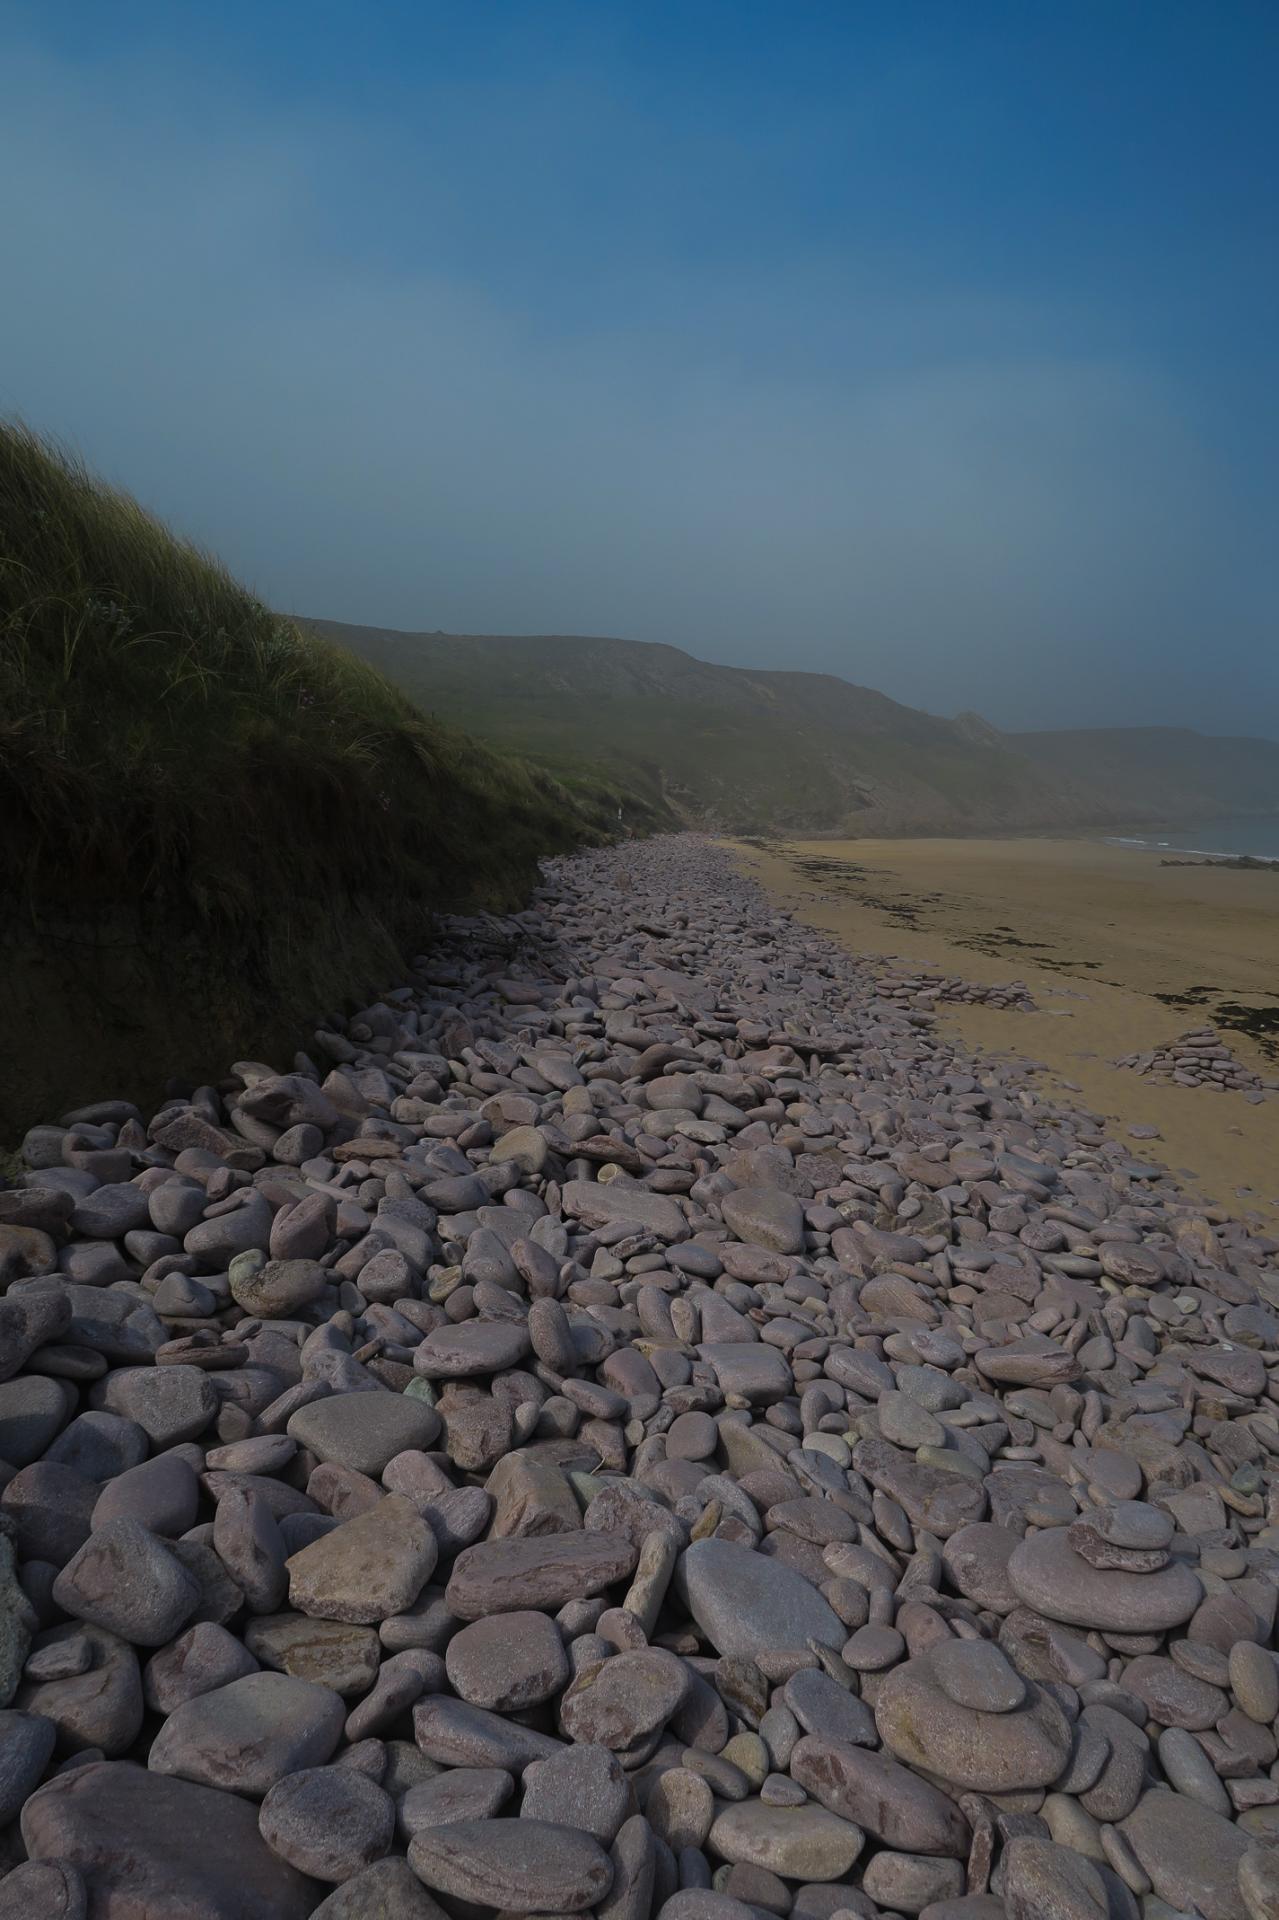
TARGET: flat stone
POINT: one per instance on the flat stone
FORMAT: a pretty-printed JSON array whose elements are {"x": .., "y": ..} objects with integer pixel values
[
  {"x": 1191, "y": 1854},
  {"x": 100, "y": 1707},
  {"x": 617, "y": 1703},
  {"x": 367, "y": 1569},
  {"x": 329, "y": 1822},
  {"x": 800, "y": 1843},
  {"x": 765, "y": 1217},
  {"x": 517, "y": 1866},
  {"x": 455, "y": 1734},
  {"x": 388, "y": 1890},
  {"x": 246, "y": 1736},
  {"x": 758, "y": 1373},
  {"x": 601, "y": 1204},
  {"x": 328, "y": 1653},
  {"x": 130, "y": 1833},
  {"x": 470, "y": 1348},
  {"x": 975, "y": 1673},
  {"x": 508, "y": 1662},
  {"x": 510, "y": 1576},
  {"x": 126, "y": 1580},
  {"x": 459, "y": 1793},
  {"x": 981, "y": 1752},
  {"x": 204, "y": 1657},
  {"x": 364, "y": 1431},
  {"x": 876, "y": 1793},
  {"x": 582, "y": 1787},
  {"x": 1049, "y": 1576},
  {"x": 744, "y": 1602}
]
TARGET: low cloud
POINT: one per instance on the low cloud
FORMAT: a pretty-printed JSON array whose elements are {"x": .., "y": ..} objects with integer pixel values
[{"x": 791, "y": 465}]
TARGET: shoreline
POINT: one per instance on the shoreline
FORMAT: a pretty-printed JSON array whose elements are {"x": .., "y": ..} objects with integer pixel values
[{"x": 1122, "y": 951}]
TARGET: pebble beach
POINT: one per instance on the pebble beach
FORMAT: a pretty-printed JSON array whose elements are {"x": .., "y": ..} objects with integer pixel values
[{"x": 643, "y": 1419}]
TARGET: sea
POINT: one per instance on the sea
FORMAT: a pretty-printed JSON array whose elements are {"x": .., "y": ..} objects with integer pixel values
[{"x": 1230, "y": 835}]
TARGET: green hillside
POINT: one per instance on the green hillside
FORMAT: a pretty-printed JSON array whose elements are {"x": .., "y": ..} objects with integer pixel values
[
  {"x": 724, "y": 746},
  {"x": 748, "y": 750},
  {"x": 213, "y": 824}
]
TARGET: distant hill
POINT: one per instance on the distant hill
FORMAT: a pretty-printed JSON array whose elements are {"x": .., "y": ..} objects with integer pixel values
[{"x": 749, "y": 750}]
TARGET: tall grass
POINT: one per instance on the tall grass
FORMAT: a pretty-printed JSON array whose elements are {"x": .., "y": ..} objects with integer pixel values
[{"x": 173, "y": 750}]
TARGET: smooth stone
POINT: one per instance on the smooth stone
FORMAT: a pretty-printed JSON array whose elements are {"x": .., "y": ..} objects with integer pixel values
[
  {"x": 388, "y": 1890},
  {"x": 877, "y": 1793},
  {"x": 170, "y": 1404},
  {"x": 364, "y": 1431},
  {"x": 746, "y": 1603},
  {"x": 204, "y": 1657},
  {"x": 1259, "y": 1883},
  {"x": 246, "y": 1736},
  {"x": 470, "y": 1348},
  {"x": 800, "y": 1843},
  {"x": 455, "y": 1734},
  {"x": 1254, "y": 1681},
  {"x": 328, "y": 1653},
  {"x": 1048, "y": 1576},
  {"x": 329, "y": 1822},
  {"x": 1191, "y": 1854},
  {"x": 821, "y": 1705},
  {"x": 163, "y": 1494},
  {"x": 26, "y": 1746},
  {"x": 582, "y": 1787},
  {"x": 100, "y": 1707},
  {"x": 43, "y": 1890},
  {"x": 981, "y": 1752},
  {"x": 367, "y": 1569},
  {"x": 1044, "y": 1881},
  {"x": 517, "y": 1866},
  {"x": 910, "y": 1882},
  {"x": 151, "y": 1847},
  {"x": 510, "y": 1576},
  {"x": 125, "y": 1580},
  {"x": 32, "y": 1410},
  {"x": 459, "y": 1793},
  {"x": 508, "y": 1662},
  {"x": 620, "y": 1701},
  {"x": 765, "y": 1217},
  {"x": 976, "y": 1674}
]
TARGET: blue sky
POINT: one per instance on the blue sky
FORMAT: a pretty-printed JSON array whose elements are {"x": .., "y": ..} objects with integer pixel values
[{"x": 932, "y": 345}]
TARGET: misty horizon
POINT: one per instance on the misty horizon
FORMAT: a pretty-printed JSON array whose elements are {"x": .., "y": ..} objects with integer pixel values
[{"x": 936, "y": 360}]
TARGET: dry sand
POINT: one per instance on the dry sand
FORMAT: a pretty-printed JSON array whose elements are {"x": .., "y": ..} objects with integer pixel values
[{"x": 1099, "y": 934}]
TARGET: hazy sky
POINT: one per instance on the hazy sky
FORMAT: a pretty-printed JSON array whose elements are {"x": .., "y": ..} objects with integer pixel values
[{"x": 929, "y": 344}]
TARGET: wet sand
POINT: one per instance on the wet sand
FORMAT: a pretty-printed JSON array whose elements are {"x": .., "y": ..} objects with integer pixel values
[{"x": 1121, "y": 953}]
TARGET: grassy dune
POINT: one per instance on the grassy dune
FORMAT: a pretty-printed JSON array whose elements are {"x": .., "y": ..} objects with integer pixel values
[{"x": 212, "y": 824}]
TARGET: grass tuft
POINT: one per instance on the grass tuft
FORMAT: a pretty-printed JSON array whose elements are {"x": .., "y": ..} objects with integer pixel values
[{"x": 179, "y": 760}]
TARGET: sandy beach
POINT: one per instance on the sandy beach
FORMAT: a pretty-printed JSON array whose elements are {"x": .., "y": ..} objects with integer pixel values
[{"x": 1121, "y": 953}]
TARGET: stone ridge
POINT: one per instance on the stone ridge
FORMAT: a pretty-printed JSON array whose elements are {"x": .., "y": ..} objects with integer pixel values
[{"x": 638, "y": 1422}]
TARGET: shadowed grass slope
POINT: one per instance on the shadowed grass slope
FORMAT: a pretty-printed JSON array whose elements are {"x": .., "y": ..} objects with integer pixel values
[{"x": 212, "y": 824}]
